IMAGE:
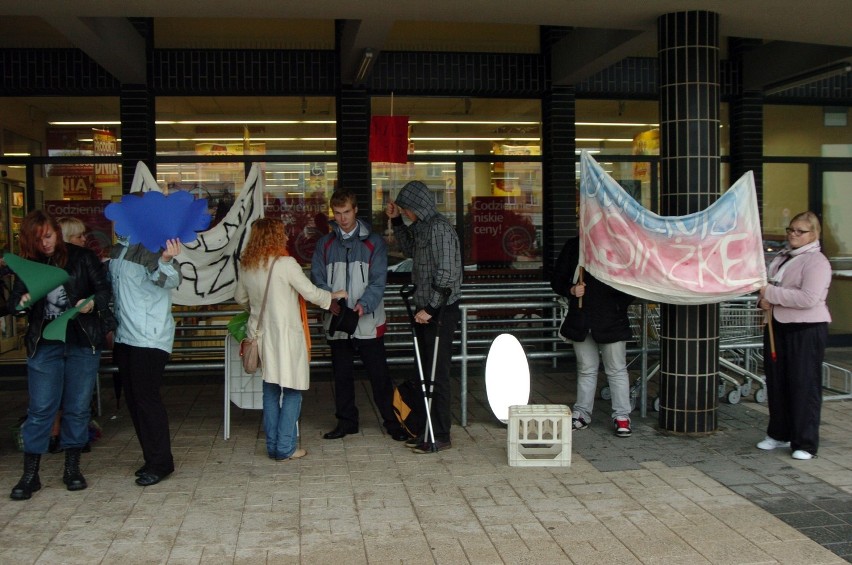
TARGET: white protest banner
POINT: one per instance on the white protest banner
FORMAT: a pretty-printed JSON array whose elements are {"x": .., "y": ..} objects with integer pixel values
[
  {"x": 209, "y": 264},
  {"x": 701, "y": 258}
]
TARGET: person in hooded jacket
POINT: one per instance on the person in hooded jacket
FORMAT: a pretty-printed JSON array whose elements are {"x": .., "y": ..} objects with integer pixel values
[
  {"x": 353, "y": 258},
  {"x": 433, "y": 244},
  {"x": 60, "y": 373},
  {"x": 598, "y": 329}
]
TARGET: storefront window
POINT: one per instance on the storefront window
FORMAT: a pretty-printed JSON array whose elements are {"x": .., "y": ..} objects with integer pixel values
[
  {"x": 229, "y": 125},
  {"x": 805, "y": 131},
  {"x": 787, "y": 196},
  {"x": 618, "y": 127},
  {"x": 502, "y": 216},
  {"x": 297, "y": 193},
  {"x": 499, "y": 214},
  {"x": 629, "y": 127}
]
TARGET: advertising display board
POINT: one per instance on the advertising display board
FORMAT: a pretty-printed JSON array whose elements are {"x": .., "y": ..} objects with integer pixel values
[{"x": 99, "y": 234}]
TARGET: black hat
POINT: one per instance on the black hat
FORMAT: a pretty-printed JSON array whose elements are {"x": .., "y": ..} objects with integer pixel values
[{"x": 346, "y": 321}]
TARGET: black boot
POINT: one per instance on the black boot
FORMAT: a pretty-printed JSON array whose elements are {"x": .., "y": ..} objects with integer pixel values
[
  {"x": 29, "y": 482},
  {"x": 72, "y": 477}
]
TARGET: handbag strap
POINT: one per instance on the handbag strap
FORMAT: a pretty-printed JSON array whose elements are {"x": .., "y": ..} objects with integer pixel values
[{"x": 265, "y": 294}]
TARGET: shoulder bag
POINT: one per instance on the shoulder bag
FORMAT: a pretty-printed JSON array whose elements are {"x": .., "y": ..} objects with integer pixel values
[{"x": 249, "y": 347}]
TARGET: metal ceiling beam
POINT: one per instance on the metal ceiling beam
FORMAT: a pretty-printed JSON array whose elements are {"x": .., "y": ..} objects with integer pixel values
[
  {"x": 775, "y": 62},
  {"x": 585, "y": 51},
  {"x": 113, "y": 43},
  {"x": 361, "y": 42}
]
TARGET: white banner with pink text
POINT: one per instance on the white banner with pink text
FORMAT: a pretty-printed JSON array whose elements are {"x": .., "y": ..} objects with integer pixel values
[{"x": 701, "y": 258}]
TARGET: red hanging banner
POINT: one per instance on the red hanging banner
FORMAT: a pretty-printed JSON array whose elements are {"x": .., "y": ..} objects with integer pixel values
[{"x": 389, "y": 139}]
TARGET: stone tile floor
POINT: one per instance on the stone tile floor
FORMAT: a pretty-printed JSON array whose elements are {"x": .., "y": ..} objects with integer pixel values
[{"x": 651, "y": 498}]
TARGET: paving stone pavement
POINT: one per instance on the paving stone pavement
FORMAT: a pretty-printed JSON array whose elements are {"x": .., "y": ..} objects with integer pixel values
[{"x": 652, "y": 498}]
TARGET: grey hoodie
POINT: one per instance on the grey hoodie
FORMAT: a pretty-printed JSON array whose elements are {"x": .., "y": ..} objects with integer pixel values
[{"x": 433, "y": 245}]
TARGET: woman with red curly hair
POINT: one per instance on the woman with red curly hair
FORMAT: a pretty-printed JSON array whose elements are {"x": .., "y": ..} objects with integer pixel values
[{"x": 284, "y": 340}]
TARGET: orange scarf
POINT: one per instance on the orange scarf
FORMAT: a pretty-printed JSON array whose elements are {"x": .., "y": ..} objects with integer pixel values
[{"x": 303, "y": 311}]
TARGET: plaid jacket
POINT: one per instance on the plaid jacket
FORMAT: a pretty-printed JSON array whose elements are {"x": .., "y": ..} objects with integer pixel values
[{"x": 433, "y": 245}]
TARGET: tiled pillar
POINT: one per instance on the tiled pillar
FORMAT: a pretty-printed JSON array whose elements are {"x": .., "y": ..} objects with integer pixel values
[
  {"x": 138, "y": 131},
  {"x": 353, "y": 145},
  {"x": 137, "y": 111},
  {"x": 688, "y": 44},
  {"x": 746, "y": 116},
  {"x": 559, "y": 159},
  {"x": 559, "y": 166}
]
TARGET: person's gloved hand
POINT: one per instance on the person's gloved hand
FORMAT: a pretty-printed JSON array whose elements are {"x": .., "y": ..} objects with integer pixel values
[{"x": 334, "y": 307}]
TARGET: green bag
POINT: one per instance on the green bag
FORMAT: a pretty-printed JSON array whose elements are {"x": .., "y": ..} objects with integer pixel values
[{"x": 237, "y": 326}]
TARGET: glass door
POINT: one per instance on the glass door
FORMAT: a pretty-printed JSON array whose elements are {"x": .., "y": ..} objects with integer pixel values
[
  {"x": 834, "y": 190},
  {"x": 7, "y": 323},
  {"x": 836, "y": 210}
]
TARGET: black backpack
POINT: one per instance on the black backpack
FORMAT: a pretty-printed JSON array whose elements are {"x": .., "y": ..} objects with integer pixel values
[{"x": 409, "y": 407}]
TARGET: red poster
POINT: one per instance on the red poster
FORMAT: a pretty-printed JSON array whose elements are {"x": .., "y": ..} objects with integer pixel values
[
  {"x": 499, "y": 235},
  {"x": 389, "y": 139},
  {"x": 91, "y": 213},
  {"x": 488, "y": 215}
]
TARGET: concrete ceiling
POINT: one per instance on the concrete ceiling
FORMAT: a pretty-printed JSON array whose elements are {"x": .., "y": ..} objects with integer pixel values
[{"x": 799, "y": 37}]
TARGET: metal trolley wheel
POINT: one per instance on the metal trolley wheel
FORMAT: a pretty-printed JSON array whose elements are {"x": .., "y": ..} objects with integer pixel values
[
  {"x": 760, "y": 395},
  {"x": 606, "y": 394}
]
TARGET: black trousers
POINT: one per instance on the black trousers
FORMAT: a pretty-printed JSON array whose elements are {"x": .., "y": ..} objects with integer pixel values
[
  {"x": 441, "y": 393},
  {"x": 794, "y": 383},
  {"x": 141, "y": 370},
  {"x": 375, "y": 359}
]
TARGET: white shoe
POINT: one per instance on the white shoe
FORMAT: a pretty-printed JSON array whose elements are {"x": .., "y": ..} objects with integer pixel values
[
  {"x": 802, "y": 455},
  {"x": 770, "y": 443}
]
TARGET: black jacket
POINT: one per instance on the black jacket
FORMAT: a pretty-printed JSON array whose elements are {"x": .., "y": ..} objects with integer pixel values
[
  {"x": 604, "y": 311},
  {"x": 87, "y": 277}
]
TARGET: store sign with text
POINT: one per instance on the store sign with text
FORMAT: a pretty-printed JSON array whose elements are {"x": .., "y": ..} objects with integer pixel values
[
  {"x": 499, "y": 235},
  {"x": 106, "y": 174},
  {"x": 99, "y": 235}
]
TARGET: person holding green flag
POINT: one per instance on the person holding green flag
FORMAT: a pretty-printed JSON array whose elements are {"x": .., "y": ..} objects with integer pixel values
[{"x": 61, "y": 372}]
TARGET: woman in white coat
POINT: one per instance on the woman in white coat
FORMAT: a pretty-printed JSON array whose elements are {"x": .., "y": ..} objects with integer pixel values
[{"x": 283, "y": 338}]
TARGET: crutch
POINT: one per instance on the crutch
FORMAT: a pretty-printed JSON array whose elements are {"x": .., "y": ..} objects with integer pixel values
[{"x": 407, "y": 291}]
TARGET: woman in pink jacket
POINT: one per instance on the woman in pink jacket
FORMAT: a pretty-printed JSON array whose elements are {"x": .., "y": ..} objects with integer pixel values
[{"x": 799, "y": 278}]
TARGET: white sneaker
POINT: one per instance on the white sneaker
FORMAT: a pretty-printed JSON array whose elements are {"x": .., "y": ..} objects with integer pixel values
[
  {"x": 802, "y": 455},
  {"x": 770, "y": 443}
]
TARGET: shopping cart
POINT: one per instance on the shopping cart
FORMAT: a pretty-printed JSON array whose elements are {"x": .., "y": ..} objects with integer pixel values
[
  {"x": 836, "y": 382},
  {"x": 741, "y": 349}
]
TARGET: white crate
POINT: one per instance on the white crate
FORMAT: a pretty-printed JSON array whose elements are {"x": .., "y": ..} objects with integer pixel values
[
  {"x": 246, "y": 391},
  {"x": 539, "y": 436}
]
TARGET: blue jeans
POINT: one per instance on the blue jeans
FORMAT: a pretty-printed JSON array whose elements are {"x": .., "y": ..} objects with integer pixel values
[
  {"x": 281, "y": 409},
  {"x": 60, "y": 376}
]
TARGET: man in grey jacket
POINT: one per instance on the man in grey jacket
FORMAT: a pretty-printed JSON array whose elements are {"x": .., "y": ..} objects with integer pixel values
[
  {"x": 354, "y": 259},
  {"x": 433, "y": 244}
]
